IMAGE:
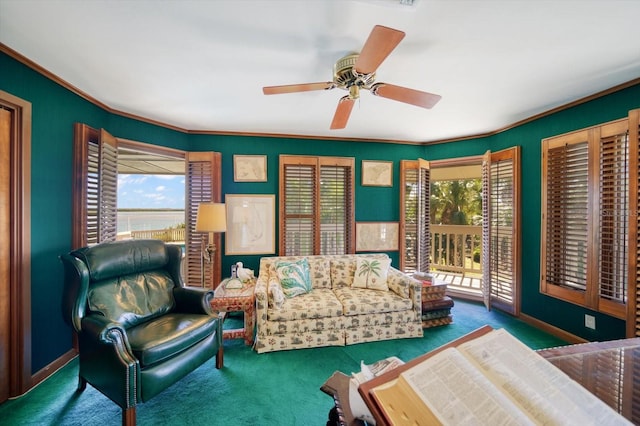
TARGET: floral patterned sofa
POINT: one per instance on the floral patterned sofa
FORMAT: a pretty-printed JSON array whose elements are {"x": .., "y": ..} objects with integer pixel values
[{"x": 333, "y": 300}]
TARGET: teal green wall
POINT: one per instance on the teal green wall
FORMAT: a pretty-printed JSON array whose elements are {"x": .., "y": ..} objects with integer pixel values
[{"x": 55, "y": 109}]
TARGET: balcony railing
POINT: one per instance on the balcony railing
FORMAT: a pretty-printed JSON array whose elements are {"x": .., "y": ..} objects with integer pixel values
[
  {"x": 167, "y": 235},
  {"x": 456, "y": 255}
]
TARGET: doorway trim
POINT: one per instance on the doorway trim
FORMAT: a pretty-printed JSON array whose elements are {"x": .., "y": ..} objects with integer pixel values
[{"x": 19, "y": 350}]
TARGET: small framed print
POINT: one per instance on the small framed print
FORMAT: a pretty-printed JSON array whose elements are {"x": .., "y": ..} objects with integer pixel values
[
  {"x": 249, "y": 168},
  {"x": 377, "y": 236},
  {"x": 377, "y": 173}
]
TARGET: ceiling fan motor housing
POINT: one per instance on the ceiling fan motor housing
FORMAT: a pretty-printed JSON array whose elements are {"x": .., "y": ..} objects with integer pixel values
[{"x": 345, "y": 75}]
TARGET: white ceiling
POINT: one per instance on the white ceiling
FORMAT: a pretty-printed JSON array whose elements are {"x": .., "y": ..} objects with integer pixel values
[{"x": 201, "y": 65}]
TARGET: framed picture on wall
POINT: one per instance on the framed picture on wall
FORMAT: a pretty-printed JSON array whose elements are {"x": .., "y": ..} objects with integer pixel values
[
  {"x": 377, "y": 236},
  {"x": 249, "y": 168},
  {"x": 377, "y": 173},
  {"x": 250, "y": 224}
]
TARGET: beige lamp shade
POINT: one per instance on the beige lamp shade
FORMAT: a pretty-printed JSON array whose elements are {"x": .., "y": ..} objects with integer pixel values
[{"x": 212, "y": 217}]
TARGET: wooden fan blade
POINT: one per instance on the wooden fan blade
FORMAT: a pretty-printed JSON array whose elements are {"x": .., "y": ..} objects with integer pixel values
[
  {"x": 343, "y": 111},
  {"x": 293, "y": 88},
  {"x": 403, "y": 94},
  {"x": 378, "y": 46}
]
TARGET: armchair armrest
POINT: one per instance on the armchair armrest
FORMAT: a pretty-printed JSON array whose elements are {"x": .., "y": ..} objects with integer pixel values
[
  {"x": 107, "y": 360},
  {"x": 193, "y": 300}
]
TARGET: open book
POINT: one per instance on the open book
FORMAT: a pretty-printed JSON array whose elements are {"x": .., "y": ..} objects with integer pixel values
[{"x": 491, "y": 380}]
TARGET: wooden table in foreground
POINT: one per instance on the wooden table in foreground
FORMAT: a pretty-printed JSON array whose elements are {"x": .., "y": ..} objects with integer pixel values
[{"x": 610, "y": 370}]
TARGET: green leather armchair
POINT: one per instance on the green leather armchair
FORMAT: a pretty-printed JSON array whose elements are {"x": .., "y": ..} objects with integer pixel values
[{"x": 139, "y": 328}]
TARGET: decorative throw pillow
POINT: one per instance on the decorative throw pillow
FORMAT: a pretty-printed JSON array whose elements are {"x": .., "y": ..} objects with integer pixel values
[
  {"x": 294, "y": 277},
  {"x": 320, "y": 272},
  {"x": 342, "y": 271},
  {"x": 276, "y": 295},
  {"x": 371, "y": 273}
]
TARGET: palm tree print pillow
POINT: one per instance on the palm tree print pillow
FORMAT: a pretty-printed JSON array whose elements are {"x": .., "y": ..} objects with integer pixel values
[{"x": 371, "y": 273}]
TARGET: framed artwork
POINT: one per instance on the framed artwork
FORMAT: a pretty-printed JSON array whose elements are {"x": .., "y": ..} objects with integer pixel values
[
  {"x": 249, "y": 168},
  {"x": 250, "y": 224},
  {"x": 377, "y": 173},
  {"x": 377, "y": 236}
]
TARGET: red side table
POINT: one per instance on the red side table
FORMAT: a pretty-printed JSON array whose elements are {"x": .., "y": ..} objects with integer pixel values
[{"x": 237, "y": 300}]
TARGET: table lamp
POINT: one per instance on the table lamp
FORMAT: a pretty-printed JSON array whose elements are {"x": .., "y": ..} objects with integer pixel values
[{"x": 212, "y": 217}]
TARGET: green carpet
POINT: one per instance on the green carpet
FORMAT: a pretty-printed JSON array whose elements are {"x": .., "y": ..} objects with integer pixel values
[{"x": 277, "y": 388}]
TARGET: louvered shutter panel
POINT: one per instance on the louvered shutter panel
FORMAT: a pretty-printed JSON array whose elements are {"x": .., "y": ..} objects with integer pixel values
[
  {"x": 424, "y": 216},
  {"x": 108, "y": 188},
  {"x": 503, "y": 257},
  {"x": 633, "y": 300},
  {"x": 415, "y": 216},
  {"x": 333, "y": 211},
  {"x": 336, "y": 205},
  {"x": 298, "y": 211},
  {"x": 486, "y": 229},
  {"x": 91, "y": 194},
  {"x": 566, "y": 232},
  {"x": 409, "y": 216},
  {"x": 613, "y": 228},
  {"x": 95, "y": 177},
  {"x": 203, "y": 177}
]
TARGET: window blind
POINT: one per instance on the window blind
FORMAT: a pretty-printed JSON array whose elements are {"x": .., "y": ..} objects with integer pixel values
[
  {"x": 316, "y": 205},
  {"x": 567, "y": 231}
]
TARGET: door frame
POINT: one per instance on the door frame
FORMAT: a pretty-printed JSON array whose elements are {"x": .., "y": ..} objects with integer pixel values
[{"x": 19, "y": 351}]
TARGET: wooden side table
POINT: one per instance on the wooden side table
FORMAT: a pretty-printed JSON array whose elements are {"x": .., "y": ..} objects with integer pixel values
[{"x": 237, "y": 300}]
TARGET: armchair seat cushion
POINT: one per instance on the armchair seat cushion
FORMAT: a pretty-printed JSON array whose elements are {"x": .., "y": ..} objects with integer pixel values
[
  {"x": 357, "y": 301},
  {"x": 166, "y": 336},
  {"x": 319, "y": 303}
]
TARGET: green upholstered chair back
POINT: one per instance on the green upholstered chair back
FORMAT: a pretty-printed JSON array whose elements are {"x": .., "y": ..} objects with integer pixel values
[{"x": 129, "y": 281}]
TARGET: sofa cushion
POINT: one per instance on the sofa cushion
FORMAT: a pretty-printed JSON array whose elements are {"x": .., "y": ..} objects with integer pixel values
[
  {"x": 168, "y": 335},
  {"x": 342, "y": 271},
  {"x": 294, "y": 277},
  {"x": 320, "y": 303},
  {"x": 371, "y": 273},
  {"x": 357, "y": 301},
  {"x": 320, "y": 271}
]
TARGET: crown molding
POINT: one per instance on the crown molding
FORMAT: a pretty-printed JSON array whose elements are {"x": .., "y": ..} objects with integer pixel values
[{"x": 46, "y": 73}]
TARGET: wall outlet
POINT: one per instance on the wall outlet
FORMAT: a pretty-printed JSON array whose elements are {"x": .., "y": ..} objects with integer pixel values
[{"x": 590, "y": 321}]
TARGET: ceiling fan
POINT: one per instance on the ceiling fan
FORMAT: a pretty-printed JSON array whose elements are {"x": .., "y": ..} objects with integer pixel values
[{"x": 355, "y": 72}]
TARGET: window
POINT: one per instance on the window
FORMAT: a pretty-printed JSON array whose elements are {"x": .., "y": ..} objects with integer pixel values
[
  {"x": 316, "y": 205},
  {"x": 414, "y": 216},
  {"x": 585, "y": 224},
  {"x": 95, "y": 196}
]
